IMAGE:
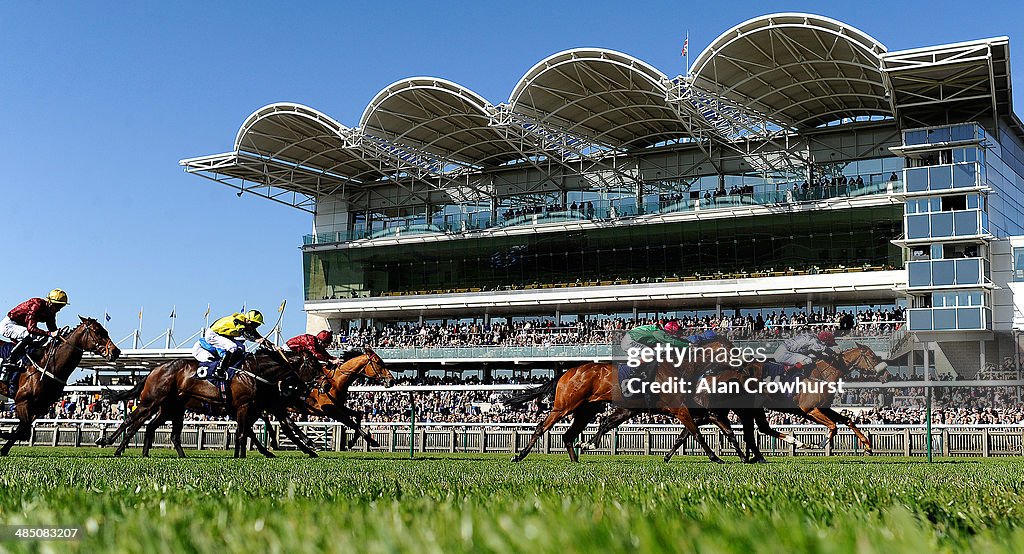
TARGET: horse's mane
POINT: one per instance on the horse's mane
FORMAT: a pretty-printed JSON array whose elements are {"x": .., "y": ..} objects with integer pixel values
[{"x": 350, "y": 354}]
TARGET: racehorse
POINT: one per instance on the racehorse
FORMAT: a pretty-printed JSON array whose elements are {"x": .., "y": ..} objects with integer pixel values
[
  {"x": 43, "y": 383},
  {"x": 172, "y": 388},
  {"x": 583, "y": 391},
  {"x": 329, "y": 393},
  {"x": 816, "y": 406}
]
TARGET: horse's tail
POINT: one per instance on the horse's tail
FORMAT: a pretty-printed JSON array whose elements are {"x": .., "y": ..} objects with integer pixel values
[
  {"x": 120, "y": 396},
  {"x": 540, "y": 391}
]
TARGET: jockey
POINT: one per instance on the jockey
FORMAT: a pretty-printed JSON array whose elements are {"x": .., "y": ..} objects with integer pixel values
[
  {"x": 668, "y": 333},
  {"x": 316, "y": 345},
  {"x": 22, "y": 323},
  {"x": 225, "y": 339},
  {"x": 802, "y": 351}
]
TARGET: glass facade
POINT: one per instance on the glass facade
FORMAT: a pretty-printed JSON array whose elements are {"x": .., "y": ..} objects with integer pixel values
[{"x": 797, "y": 241}]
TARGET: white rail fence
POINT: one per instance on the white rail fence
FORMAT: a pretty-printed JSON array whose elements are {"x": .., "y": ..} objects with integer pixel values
[{"x": 888, "y": 440}]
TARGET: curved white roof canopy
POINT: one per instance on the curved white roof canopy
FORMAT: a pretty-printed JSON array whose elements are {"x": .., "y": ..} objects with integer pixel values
[
  {"x": 603, "y": 95},
  {"x": 302, "y": 136},
  {"x": 800, "y": 70},
  {"x": 440, "y": 117}
]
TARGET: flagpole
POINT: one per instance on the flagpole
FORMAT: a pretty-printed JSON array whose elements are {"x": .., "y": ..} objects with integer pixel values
[
  {"x": 687, "y": 50},
  {"x": 170, "y": 332}
]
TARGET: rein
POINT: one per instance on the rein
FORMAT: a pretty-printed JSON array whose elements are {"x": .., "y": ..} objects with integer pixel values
[{"x": 42, "y": 369}]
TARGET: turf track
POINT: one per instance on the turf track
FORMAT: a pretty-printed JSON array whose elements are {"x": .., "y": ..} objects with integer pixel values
[{"x": 484, "y": 503}]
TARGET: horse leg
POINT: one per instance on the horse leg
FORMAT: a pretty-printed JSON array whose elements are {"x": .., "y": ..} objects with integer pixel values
[
  {"x": 151, "y": 427},
  {"x": 678, "y": 444},
  {"x": 840, "y": 418},
  {"x": 823, "y": 419},
  {"x": 243, "y": 428},
  {"x": 259, "y": 445},
  {"x": 137, "y": 419},
  {"x": 721, "y": 419},
  {"x": 763, "y": 426},
  {"x": 755, "y": 455},
  {"x": 177, "y": 424},
  {"x": 297, "y": 436},
  {"x": 271, "y": 436},
  {"x": 580, "y": 419},
  {"x": 614, "y": 419},
  {"x": 553, "y": 417},
  {"x": 107, "y": 440},
  {"x": 24, "y": 429},
  {"x": 684, "y": 417}
]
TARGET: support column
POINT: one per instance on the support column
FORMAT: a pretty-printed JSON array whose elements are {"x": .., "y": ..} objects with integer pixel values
[{"x": 981, "y": 355}]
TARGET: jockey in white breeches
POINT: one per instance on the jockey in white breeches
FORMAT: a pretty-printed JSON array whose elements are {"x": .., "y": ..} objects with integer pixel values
[{"x": 804, "y": 350}]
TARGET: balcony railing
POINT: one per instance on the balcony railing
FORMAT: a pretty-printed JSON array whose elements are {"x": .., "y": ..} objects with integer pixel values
[{"x": 604, "y": 210}]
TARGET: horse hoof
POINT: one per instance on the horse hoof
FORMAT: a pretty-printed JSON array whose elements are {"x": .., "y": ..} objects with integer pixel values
[
  {"x": 717, "y": 460},
  {"x": 314, "y": 455},
  {"x": 758, "y": 460}
]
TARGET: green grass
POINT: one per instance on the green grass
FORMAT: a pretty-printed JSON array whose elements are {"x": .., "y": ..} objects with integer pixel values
[{"x": 484, "y": 503}]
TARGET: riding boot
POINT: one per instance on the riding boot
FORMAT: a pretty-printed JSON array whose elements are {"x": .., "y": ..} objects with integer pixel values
[
  {"x": 17, "y": 353},
  {"x": 226, "y": 361}
]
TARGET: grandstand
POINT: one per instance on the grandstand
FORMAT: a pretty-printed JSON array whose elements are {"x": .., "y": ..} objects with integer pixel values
[{"x": 800, "y": 169}]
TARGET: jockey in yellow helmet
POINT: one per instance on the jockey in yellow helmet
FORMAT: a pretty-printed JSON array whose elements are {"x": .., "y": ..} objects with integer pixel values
[{"x": 225, "y": 339}]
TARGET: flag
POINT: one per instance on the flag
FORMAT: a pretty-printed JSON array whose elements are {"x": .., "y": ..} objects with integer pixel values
[
  {"x": 172, "y": 312},
  {"x": 280, "y": 309},
  {"x": 686, "y": 47},
  {"x": 106, "y": 316},
  {"x": 207, "y": 314},
  {"x": 140, "y": 314}
]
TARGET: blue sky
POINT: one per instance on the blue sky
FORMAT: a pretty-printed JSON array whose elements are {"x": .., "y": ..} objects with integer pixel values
[{"x": 99, "y": 102}]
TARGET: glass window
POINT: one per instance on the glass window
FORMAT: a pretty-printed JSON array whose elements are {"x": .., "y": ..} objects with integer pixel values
[
  {"x": 938, "y": 135},
  {"x": 965, "y": 175},
  {"x": 968, "y": 318},
  {"x": 940, "y": 177},
  {"x": 935, "y": 204},
  {"x": 937, "y": 252},
  {"x": 1018, "y": 264},
  {"x": 911, "y": 206},
  {"x": 919, "y": 274},
  {"x": 944, "y": 319},
  {"x": 921, "y": 320},
  {"x": 966, "y": 222},
  {"x": 917, "y": 227},
  {"x": 942, "y": 273},
  {"x": 973, "y": 201},
  {"x": 942, "y": 224},
  {"x": 917, "y": 179},
  {"x": 968, "y": 272}
]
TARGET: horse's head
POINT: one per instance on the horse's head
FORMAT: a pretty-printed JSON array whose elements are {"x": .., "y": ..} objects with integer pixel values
[
  {"x": 866, "y": 360},
  {"x": 90, "y": 336},
  {"x": 374, "y": 368}
]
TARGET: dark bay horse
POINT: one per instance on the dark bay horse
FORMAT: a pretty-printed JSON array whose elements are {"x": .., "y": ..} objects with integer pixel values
[
  {"x": 43, "y": 382},
  {"x": 172, "y": 388},
  {"x": 814, "y": 406},
  {"x": 585, "y": 390}
]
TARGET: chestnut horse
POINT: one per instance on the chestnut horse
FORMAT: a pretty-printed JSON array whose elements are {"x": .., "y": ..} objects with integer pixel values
[
  {"x": 816, "y": 406},
  {"x": 329, "y": 393},
  {"x": 43, "y": 382},
  {"x": 173, "y": 387}
]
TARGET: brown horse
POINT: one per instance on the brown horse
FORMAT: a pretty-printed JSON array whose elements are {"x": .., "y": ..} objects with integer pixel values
[
  {"x": 43, "y": 383},
  {"x": 329, "y": 393},
  {"x": 816, "y": 406},
  {"x": 583, "y": 391},
  {"x": 172, "y": 388}
]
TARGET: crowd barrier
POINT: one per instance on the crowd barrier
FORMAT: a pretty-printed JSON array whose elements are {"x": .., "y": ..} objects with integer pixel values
[{"x": 887, "y": 440}]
